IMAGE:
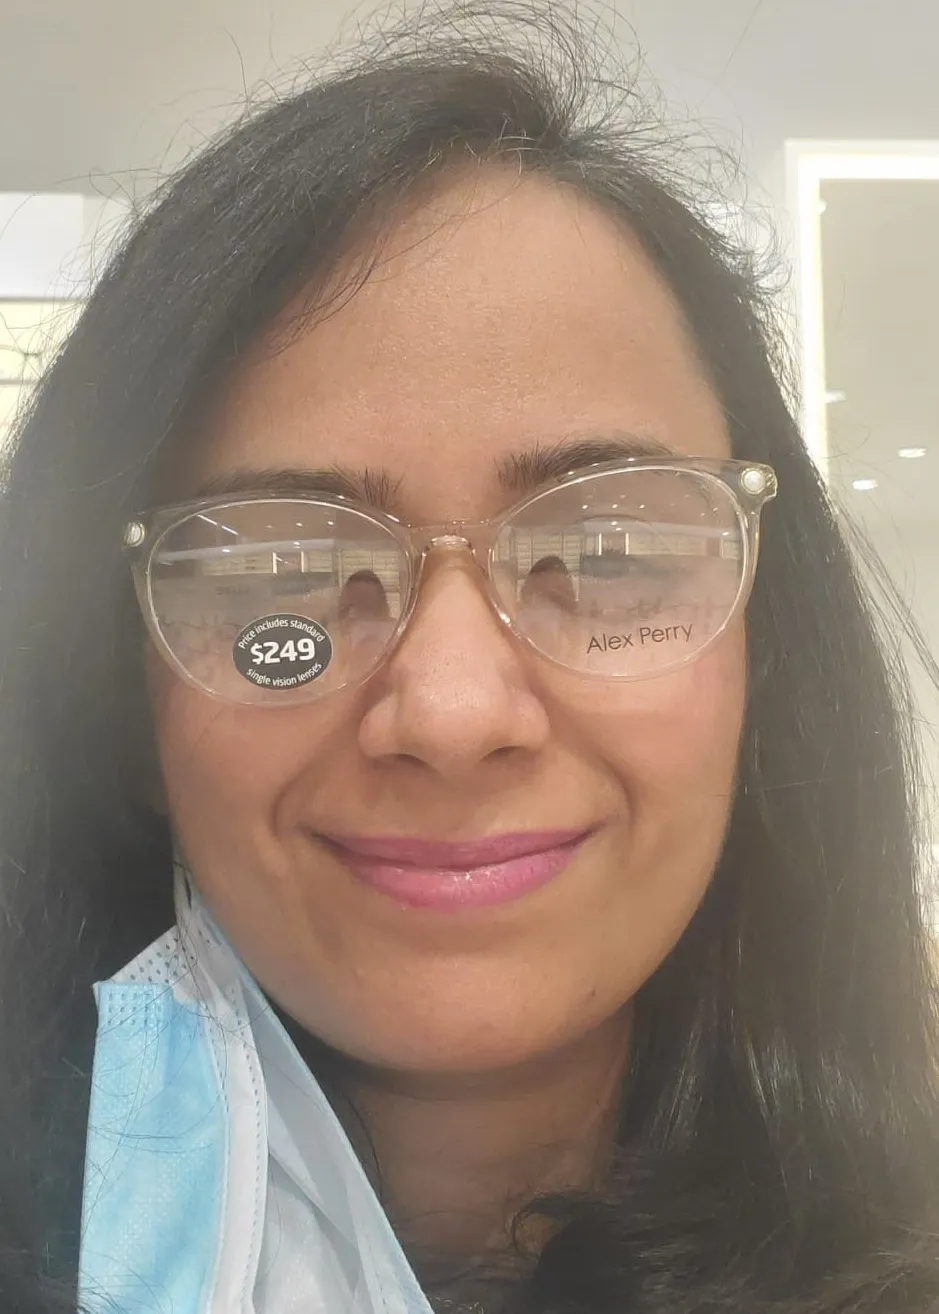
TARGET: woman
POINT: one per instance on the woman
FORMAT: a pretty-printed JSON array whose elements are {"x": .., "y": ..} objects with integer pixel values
[{"x": 610, "y": 962}]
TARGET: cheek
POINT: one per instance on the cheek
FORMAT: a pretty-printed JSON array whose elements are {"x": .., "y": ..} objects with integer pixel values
[
  {"x": 672, "y": 747},
  {"x": 664, "y": 736},
  {"x": 225, "y": 768},
  {"x": 192, "y": 731}
]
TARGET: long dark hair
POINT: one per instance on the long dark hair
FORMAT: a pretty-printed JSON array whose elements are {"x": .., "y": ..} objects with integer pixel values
[{"x": 779, "y": 1137}]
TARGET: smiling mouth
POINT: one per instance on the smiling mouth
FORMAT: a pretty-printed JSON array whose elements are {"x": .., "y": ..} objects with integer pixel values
[{"x": 466, "y": 874}]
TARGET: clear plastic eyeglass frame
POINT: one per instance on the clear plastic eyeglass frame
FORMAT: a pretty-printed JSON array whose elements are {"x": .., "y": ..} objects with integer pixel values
[{"x": 746, "y": 485}]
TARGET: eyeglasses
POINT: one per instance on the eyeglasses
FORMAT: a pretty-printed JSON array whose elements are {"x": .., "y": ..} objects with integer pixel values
[{"x": 620, "y": 572}]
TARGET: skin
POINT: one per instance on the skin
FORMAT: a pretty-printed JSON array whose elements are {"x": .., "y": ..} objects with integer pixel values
[{"x": 485, "y": 1049}]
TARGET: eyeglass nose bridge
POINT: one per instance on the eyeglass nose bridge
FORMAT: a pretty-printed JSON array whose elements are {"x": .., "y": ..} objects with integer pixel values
[{"x": 473, "y": 536}]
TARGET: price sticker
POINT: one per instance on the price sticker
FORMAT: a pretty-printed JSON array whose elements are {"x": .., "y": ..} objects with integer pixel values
[{"x": 282, "y": 651}]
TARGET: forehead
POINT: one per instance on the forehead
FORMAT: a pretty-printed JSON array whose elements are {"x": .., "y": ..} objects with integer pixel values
[{"x": 503, "y": 314}]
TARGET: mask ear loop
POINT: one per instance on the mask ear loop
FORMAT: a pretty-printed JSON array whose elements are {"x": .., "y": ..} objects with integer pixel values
[
  {"x": 194, "y": 917},
  {"x": 182, "y": 881}
]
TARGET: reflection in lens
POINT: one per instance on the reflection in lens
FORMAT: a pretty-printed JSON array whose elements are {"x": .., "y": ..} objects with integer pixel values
[
  {"x": 363, "y": 597},
  {"x": 546, "y": 600},
  {"x": 211, "y": 576},
  {"x": 365, "y": 620},
  {"x": 549, "y": 583},
  {"x": 624, "y": 573}
]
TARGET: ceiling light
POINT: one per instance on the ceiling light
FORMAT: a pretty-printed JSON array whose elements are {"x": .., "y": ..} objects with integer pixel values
[
  {"x": 835, "y": 395},
  {"x": 822, "y": 207},
  {"x": 864, "y": 485},
  {"x": 911, "y": 453}
]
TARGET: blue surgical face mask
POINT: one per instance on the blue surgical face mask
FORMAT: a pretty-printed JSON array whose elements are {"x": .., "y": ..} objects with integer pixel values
[{"x": 218, "y": 1179}]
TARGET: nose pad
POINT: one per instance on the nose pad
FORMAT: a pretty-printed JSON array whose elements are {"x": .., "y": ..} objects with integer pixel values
[{"x": 455, "y": 687}]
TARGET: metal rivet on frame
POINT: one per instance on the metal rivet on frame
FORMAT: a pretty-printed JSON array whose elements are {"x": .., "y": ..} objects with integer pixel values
[
  {"x": 753, "y": 480},
  {"x": 134, "y": 534}
]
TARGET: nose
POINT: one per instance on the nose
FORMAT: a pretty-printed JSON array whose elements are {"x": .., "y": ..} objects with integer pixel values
[{"x": 455, "y": 691}]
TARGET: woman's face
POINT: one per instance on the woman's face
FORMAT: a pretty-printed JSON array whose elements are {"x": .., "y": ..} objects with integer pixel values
[{"x": 505, "y": 315}]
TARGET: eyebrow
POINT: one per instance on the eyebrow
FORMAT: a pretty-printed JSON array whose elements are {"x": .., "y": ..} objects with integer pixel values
[
  {"x": 518, "y": 472},
  {"x": 376, "y": 487},
  {"x": 522, "y": 472}
]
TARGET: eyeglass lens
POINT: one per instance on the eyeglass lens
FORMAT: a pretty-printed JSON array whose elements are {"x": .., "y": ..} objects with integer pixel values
[{"x": 622, "y": 574}]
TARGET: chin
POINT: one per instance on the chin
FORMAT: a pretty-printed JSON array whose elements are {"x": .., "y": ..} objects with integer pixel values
[{"x": 455, "y": 1044}]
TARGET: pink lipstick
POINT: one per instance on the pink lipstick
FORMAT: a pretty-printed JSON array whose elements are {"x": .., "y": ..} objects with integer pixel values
[{"x": 448, "y": 877}]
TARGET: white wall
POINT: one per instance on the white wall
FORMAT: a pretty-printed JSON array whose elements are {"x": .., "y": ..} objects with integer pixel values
[
  {"x": 797, "y": 68},
  {"x": 52, "y": 245}
]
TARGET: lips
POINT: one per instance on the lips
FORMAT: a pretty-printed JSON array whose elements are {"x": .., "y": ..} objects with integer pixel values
[
  {"x": 455, "y": 854},
  {"x": 455, "y": 875}
]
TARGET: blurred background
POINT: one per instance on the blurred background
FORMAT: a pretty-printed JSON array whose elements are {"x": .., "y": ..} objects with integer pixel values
[{"x": 832, "y": 107}]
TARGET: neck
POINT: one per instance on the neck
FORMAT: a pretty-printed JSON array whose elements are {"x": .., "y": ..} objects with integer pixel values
[{"x": 457, "y": 1154}]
